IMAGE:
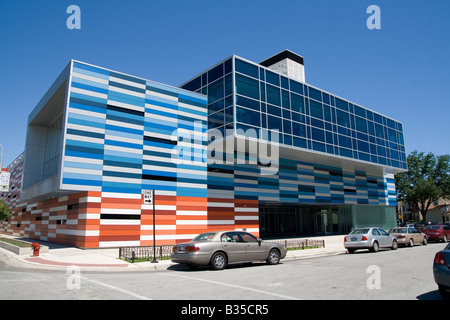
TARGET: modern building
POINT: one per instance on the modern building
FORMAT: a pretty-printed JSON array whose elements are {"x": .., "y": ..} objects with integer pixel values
[{"x": 243, "y": 145}]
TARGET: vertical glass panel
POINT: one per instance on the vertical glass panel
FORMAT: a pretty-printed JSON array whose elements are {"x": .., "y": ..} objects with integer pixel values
[
  {"x": 341, "y": 104},
  {"x": 298, "y": 129},
  {"x": 216, "y": 120},
  {"x": 273, "y": 95},
  {"x": 315, "y": 94},
  {"x": 296, "y": 87},
  {"x": 360, "y": 111},
  {"x": 318, "y": 134},
  {"x": 285, "y": 99},
  {"x": 248, "y": 103},
  {"x": 327, "y": 112},
  {"x": 299, "y": 142},
  {"x": 215, "y": 73},
  {"x": 343, "y": 118},
  {"x": 287, "y": 126},
  {"x": 248, "y": 116},
  {"x": 318, "y": 146},
  {"x": 325, "y": 98},
  {"x": 284, "y": 83},
  {"x": 275, "y": 123},
  {"x": 272, "y": 110},
  {"x": 228, "y": 84},
  {"x": 297, "y": 103},
  {"x": 229, "y": 115},
  {"x": 246, "y": 68},
  {"x": 392, "y": 136},
  {"x": 273, "y": 78},
  {"x": 361, "y": 124},
  {"x": 247, "y": 86},
  {"x": 215, "y": 91},
  {"x": 228, "y": 65},
  {"x": 379, "y": 131},
  {"x": 316, "y": 109}
]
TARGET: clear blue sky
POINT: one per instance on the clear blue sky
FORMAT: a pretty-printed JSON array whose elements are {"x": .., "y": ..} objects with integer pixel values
[{"x": 401, "y": 70}]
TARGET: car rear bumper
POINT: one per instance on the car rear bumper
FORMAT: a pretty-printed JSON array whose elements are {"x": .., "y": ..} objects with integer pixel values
[
  {"x": 403, "y": 240},
  {"x": 441, "y": 275},
  {"x": 434, "y": 237},
  {"x": 357, "y": 245},
  {"x": 191, "y": 258}
]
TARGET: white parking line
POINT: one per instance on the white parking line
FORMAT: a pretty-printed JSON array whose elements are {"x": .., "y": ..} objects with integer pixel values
[
  {"x": 138, "y": 296},
  {"x": 233, "y": 286}
]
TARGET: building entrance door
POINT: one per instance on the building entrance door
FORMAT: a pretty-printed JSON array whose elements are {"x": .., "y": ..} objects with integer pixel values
[{"x": 326, "y": 222}]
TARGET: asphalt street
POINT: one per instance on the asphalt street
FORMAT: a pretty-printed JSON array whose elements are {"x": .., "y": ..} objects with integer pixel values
[{"x": 404, "y": 274}]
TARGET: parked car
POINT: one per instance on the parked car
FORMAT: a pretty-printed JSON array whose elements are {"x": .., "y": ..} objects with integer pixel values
[
  {"x": 219, "y": 249},
  {"x": 421, "y": 225},
  {"x": 441, "y": 271},
  {"x": 438, "y": 232},
  {"x": 371, "y": 238},
  {"x": 409, "y": 236}
]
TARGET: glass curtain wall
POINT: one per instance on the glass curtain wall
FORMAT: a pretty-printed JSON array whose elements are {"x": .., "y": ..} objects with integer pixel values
[
  {"x": 310, "y": 118},
  {"x": 53, "y": 147}
]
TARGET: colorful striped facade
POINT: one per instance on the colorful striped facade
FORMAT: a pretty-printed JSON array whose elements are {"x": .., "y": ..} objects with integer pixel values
[{"x": 99, "y": 138}]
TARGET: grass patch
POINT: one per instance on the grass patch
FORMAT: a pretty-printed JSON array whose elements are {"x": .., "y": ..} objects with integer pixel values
[
  {"x": 302, "y": 248},
  {"x": 17, "y": 243},
  {"x": 143, "y": 259}
]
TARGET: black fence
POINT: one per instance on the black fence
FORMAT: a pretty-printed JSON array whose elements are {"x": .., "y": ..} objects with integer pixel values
[
  {"x": 133, "y": 254},
  {"x": 297, "y": 244},
  {"x": 145, "y": 253}
]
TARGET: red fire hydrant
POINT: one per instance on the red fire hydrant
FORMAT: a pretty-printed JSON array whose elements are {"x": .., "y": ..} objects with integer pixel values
[{"x": 36, "y": 248}]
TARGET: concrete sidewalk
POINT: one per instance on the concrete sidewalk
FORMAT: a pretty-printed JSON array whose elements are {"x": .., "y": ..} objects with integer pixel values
[{"x": 60, "y": 257}]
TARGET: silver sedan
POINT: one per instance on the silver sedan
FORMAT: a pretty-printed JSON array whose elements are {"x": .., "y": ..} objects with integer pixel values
[
  {"x": 371, "y": 238},
  {"x": 218, "y": 249}
]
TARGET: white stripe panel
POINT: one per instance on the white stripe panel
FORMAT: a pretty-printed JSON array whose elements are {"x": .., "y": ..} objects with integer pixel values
[
  {"x": 85, "y": 128},
  {"x": 89, "y": 93},
  {"x": 128, "y": 83},
  {"x": 90, "y": 78}
]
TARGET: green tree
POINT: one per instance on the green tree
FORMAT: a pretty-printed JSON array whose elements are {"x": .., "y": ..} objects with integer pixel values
[
  {"x": 427, "y": 180},
  {"x": 4, "y": 211}
]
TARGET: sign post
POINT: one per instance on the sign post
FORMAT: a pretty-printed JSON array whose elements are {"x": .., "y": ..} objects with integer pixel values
[{"x": 149, "y": 198}]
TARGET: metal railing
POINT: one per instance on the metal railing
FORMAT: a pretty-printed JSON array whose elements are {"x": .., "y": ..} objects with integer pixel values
[
  {"x": 300, "y": 243},
  {"x": 145, "y": 253}
]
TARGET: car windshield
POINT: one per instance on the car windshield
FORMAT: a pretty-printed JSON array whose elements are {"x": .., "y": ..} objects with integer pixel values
[
  {"x": 398, "y": 230},
  {"x": 360, "y": 231},
  {"x": 432, "y": 228},
  {"x": 205, "y": 236}
]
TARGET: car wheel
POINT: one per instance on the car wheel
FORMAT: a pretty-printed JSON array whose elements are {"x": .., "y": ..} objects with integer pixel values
[
  {"x": 218, "y": 261},
  {"x": 425, "y": 241},
  {"x": 274, "y": 257},
  {"x": 375, "y": 247},
  {"x": 411, "y": 242},
  {"x": 394, "y": 245},
  {"x": 444, "y": 239},
  {"x": 351, "y": 250}
]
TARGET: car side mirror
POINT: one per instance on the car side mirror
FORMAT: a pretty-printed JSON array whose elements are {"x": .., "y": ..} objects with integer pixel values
[{"x": 259, "y": 241}]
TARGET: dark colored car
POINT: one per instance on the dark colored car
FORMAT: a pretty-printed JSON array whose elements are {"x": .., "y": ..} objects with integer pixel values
[
  {"x": 437, "y": 232},
  {"x": 422, "y": 225},
  {"x": 441, "y": 271}
]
